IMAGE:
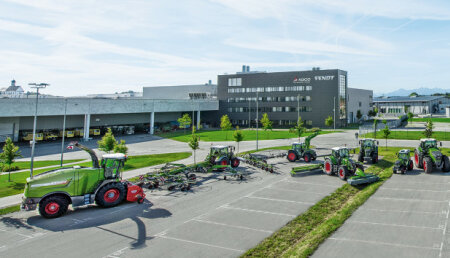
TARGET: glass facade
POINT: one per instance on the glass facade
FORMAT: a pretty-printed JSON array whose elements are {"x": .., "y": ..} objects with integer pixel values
[{"x": 342, "y": 97}]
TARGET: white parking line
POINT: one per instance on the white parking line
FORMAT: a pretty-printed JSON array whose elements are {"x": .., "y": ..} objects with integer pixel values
[
  {"x": 403, "y": 211},
  {"x": 200, "y": 243},
  {"x": 278, "y": 200},
  {"x": 15, "y": 233},
  {"x": 117, "y": 253},
  {"x": 403, "y": 199},
  {"x": 232, "y": 226},
  {"x": 382, "y": 243},
  {"x": 265, "y": 212},
  {"x": 394, "y": 225},
  {"x": 416, "y": 190},
  {"x": 308, "y": 183},
  {"x": 298, "y": 191},
  {"x": 445, "y": 230}
]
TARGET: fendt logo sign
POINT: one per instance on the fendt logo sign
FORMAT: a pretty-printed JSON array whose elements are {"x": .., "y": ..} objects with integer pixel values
[
  {"x": 302, "y": 80},
  {"x": 324, "y": 78}
]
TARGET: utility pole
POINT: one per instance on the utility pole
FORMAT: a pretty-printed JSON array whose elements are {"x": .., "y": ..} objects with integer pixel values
[
  {"x": 249, "y": 113},
  {"x": 298, "y": 106},
  {"x": 64, "y": 131},
  {"x": 257, "y": 119},
  {"x": 334, "y": 111},
  {"x": 36, "y": 86}
]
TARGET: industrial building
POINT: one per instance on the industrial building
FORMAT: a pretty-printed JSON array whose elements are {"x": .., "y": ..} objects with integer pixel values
[
  {"x": 418, "y": 105},
  {"x": 314, "y": 95}
]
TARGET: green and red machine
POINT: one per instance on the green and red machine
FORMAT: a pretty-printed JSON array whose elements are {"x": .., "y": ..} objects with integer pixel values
[
  {"x": 403, "y": 162},
  {"x": 53, "y": 191},
  {"x": 428, "y": 156},
  {"x": 222, "y": 155},
  {"x": 302, "y": 150},
  {"x": 368, "y": 151},
  {"x": 340, "y": 163}
]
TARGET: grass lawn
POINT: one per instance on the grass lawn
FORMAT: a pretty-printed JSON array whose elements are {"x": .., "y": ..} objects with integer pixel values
[
  {"x": 411, "y": 135},
  {"x": 249, "y": 135},
  {"x": 434, "y": 119},
  {"x": 303, "y": 235},
  {"x": 43, "y": 163},
  {"x": 10, "y": 209},
  {"x": 18, "y": 179}
]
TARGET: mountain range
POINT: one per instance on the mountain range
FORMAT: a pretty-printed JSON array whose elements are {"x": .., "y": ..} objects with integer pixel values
[{"x": 420, "y": 91}]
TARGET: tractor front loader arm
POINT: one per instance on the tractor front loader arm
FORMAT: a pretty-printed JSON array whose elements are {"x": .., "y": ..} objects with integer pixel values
[
  {"x": 94, "y": 157},
  {"x": 309, "y": 138}
]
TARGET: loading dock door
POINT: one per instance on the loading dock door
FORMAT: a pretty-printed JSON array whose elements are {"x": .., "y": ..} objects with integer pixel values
[{"x": 6, "y": 130}]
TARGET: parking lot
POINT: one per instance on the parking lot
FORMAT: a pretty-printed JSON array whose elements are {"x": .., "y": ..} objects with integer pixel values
[
  {"x": 407, "y": 217},
  {"x": 216, "y": 219}
]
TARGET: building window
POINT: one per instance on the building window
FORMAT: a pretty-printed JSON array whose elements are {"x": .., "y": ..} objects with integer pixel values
[
  {"x": 308, "y": 87},
  {"x": 307, "y": 98},
  {"x": 360, "y": 104},
  {"x": 234, "y": 81},
  {"x": 308, "y": 122},
  {"x": 342, "y": 97}
]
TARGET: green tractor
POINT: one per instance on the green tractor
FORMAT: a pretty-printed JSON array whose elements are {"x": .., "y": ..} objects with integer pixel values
[
  {"x": 403, "y": 162},
  {"x": 340, "y": 163},
  {"x": 428, "y": 156},
  {"x": 302, "y": 150},
  {"x": 368, "y": 151},
  {"x": 223, "y": 155},
  {"x": 55, "y": 190}
]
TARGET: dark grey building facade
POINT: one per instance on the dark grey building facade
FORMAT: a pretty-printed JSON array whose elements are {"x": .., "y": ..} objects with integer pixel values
[{"x": 314, "y": 95}]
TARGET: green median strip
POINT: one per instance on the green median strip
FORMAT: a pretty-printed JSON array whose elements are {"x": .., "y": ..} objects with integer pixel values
[
  {"x": 302, "y": 236},
  {"x": 10, "y": 209}
]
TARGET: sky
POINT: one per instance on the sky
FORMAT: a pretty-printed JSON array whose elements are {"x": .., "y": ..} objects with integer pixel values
[{"x": 85, "y": 47}]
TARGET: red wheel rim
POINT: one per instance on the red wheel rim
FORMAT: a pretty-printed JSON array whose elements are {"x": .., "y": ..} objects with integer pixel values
[
  {"x": 111, "y": 195},
  {"x": 52, "y": 208},
  {"x": 416, "y": 158},
  {"x": 223, "y": 162},
  {"x": 291, "y": 156},
  {"x": 327, "y": 167},
  {"x": 424, "y": 165},
  {"x": 410, "y": 165},
  {"x": 236, "y": 162},
  {"x": 341, "y": 173},
  {"x": 306, "y": 158}
]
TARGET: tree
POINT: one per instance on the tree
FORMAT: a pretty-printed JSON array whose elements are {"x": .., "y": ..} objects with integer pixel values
[
  {"x": 410, "y": 117},
  {"x": 359, "y": 115},
  {"x": 375, "y": 111},
  {"x": 194, "y": 142},
  {"x": 299, "y": 129},
  {"x": 329, "y": 121},
  {"x": 184, "y": 121},
  {"x": 9, "y": 154},
  {"x": 428, "y": 132},
  {"x": 108, "y": 142},
  {"x": 266, "y": 123},
  {"x": 386, "y": 133},
  {"x": 238, "y": 136},
  {"x": 121, "y": 147},
  {"x": 375, "y": 124},
  {"x": 225, "y": 125},
  {"x": 413, "y": 94}
]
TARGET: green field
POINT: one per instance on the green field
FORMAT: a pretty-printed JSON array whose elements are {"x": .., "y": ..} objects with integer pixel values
[
  {"x": 303, "y": 235},
  {"x": 249, "y": 135},
  {"x": 434, "y": 119},
  {"x": 134, "y": 162},
  {"x": 411, "y": 135}
]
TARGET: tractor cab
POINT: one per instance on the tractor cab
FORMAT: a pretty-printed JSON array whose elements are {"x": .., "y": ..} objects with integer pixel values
[
  {"x": 340, "y": 152},
  {"x": 369, "y": 143},
  {"x": 428, "y": 143},
  {"x": 404, "y": 154},
  {"x": 113, "y": 164},
  {"x": 296, "y": 146},
  {"x": 221, "y": 151}
]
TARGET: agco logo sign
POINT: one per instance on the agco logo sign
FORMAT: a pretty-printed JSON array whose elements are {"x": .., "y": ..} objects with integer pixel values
[{"x": 302, "y": 80}]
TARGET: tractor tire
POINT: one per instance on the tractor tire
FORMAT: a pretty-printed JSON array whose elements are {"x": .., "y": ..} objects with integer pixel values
[
  {"x": 307, "y": 157},
  {"x": 427, "y": 165},
  {"x": 53, "y": 206},
  {"x": 361, "y": 157},
  {"x": 410, "y": 165},
  {"x": 328, "y": 167},
  {"x": 110, "y": 195},
  {"x": 292, "y": 156},
  {"x": 235, "y": 162},
  {"x": 313, "y": 158},
  {"x": 192, "y": 177},
  {"x": 342, "y": 173},
  {"x": 417, "y": 160},
  {"x": 446, "y": 166},
  {"x": 394, "y": 170},
  {"x": 374, "y": 158},
  {"x": 223, "y": 162}
]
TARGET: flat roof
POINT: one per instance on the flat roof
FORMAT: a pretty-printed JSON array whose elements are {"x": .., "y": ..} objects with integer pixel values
[{"x": 407, "y": 99}]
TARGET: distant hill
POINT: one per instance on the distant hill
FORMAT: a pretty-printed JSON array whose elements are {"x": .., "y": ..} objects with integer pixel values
[{"x": 420, "y": 91}]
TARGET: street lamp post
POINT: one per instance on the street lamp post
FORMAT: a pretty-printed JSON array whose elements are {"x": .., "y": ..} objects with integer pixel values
[
  {"x": 256, "y": 120},
  {"x": 64, "y": 131},
  {"x": 334, "y": 113},
  {"x": 36, "y": 86}
]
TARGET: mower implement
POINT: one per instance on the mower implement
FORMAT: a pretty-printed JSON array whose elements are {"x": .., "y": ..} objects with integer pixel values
[
  {"x": 258, "y": 161},
  {"x": 171, "y": 176},
  {"x": 302, "y": 150},
  {"x": 53, "y": 191},
  {"x": 428, "y": 156},
  {"x": 368, "y": 151},
  {"x": 340, "y": 163},
  {"x": 403, "y": 162}
]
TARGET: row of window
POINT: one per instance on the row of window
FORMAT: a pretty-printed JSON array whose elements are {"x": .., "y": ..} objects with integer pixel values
[
  {"x": 270, "y": 99},
  {"x": 276, "y": 122},
  {"x": 270, "y": 89},
  {"x": 234, "y": 81},
  {"x": 268, "y": 109}
]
